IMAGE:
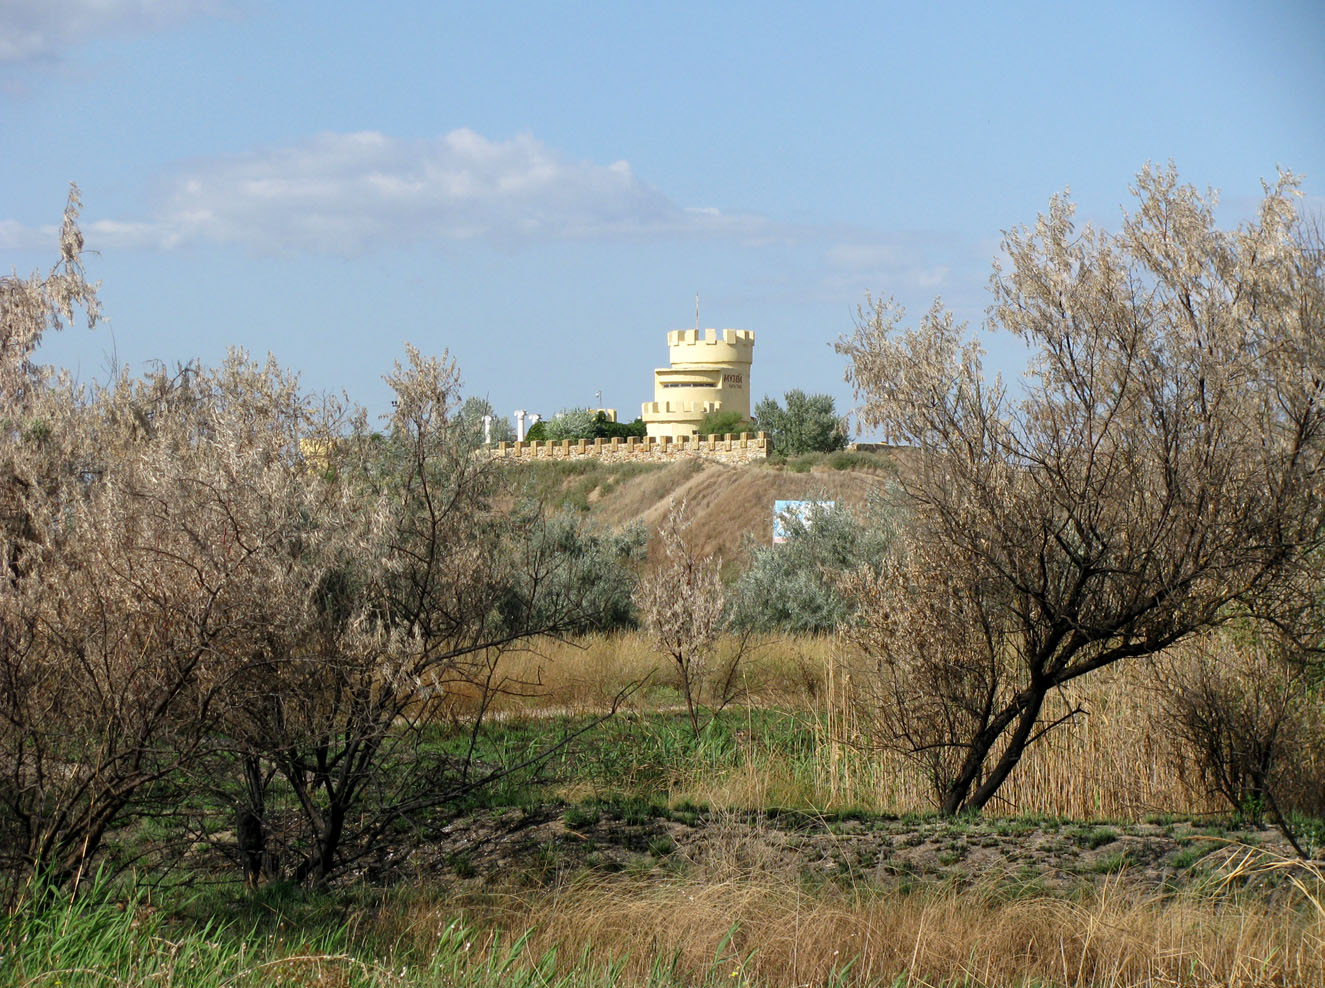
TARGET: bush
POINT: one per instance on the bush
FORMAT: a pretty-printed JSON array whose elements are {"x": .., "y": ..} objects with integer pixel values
[
  {"x": 1250, "y": 724},
  {"x": 809, "y": 423},
  {"x": 604, "y": 428},
  {"x": 569, "y": 423},
  {"x": 581, "y": 423},
  {"x": 682, "y": 606},
  {"x": 792, "y": 587},
  {"x": 587, "y": 570},
  {"x": 722, "y": 423}
]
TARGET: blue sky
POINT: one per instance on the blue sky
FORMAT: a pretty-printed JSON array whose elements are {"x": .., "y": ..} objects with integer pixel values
[{"x": 516, "y": 182}]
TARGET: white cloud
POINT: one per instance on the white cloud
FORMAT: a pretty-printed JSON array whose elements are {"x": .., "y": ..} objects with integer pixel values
[
  {"x": 864, "y": 256},
  {"x": 33, "y": 29},
  {"x": 346, "y": 193},
  {"x": 15, "y": 236},
  {"x": 904, "y": 264}
]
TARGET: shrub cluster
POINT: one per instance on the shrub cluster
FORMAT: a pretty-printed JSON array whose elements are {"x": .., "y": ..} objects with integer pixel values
[
  {"x": 583, "y": 423},
  {"x": 219, "y": 591},
  {"x": 808, "y": 423},
  {"x": 795, "y": 586}
]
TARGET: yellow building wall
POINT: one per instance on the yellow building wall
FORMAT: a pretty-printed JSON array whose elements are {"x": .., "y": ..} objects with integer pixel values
[{"x": 709, "y": 372}]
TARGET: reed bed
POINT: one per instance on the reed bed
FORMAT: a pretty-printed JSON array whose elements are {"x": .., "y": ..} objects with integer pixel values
[
  {"x": 1114, "y": 760},
  {"x": 588, "y": 674}
]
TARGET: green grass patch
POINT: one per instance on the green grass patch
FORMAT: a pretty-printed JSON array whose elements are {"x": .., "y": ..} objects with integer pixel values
[
  {"x": 1191, "y": 854},
  {"x": 1099, "y": 837},
  {"x": 581, "y": 816},
  {"x": 1111, "y": 864}
]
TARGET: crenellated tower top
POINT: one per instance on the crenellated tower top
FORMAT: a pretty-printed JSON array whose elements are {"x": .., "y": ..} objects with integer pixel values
[
  {"x": 731, "y": 346},
  {"x": 709, "y": 372}
]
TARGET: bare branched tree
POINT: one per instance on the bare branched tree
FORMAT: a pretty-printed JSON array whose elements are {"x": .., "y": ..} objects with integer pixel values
[
  {"x": 1250, "y": 724},
  {"x": 426, "y": 573},
  {"x": 1161, "y": 473},
  {"x": 681, "y": 604}
]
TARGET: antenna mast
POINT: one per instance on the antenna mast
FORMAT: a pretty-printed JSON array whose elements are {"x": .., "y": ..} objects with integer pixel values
[{"x": 696, "y": 312}]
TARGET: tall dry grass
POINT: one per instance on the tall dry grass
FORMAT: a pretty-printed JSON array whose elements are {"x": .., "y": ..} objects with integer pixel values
[
  {"x": 717, "y": 926},
  {"x": 763, "y": 928},
  {"x": 586, "y": 675},
  {"x": 1114, "y": 760}
]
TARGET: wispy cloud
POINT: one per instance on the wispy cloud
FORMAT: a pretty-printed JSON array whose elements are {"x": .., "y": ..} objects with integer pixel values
[
  {"x": 37, "y": 29},
  {"x": 15, "y": 236},
  {"x": 908, "y": 264},
  {"x": 349, "y": 193},
  {"x": 346, "y": 193}
]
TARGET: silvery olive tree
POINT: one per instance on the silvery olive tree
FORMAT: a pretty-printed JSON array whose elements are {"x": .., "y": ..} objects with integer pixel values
[{"x": 796, "y": 586}]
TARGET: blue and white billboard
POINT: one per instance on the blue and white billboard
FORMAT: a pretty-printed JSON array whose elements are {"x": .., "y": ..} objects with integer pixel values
[{"x": 796, "y": 513}]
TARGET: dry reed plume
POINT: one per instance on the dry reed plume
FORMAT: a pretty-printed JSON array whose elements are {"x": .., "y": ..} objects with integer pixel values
[{"x": 1112, "y": 759}]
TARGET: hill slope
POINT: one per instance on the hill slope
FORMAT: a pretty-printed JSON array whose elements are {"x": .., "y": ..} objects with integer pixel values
[{"x": 727, "y": 502}]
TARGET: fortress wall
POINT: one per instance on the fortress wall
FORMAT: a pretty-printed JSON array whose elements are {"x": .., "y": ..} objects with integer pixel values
[{"x": 743, "y": 448}]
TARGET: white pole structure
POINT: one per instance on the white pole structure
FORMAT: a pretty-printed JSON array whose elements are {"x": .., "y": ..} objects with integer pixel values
[
  {"x": 519, "y": 425},
  {"x": 487, "y": 430}
]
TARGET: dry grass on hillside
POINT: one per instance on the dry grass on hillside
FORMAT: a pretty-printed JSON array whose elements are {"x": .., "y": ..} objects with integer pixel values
[{"x": 728, "y": 502}]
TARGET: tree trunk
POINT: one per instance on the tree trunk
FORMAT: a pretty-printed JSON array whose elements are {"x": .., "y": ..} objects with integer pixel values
[
  {"x": 1011, "y": 755},
  {"x": 250, "y": 824},
  {"x": 959, "y": 798}
]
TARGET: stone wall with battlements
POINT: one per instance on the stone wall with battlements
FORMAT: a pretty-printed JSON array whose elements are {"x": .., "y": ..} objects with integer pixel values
[{"x": 743, "y": 448}]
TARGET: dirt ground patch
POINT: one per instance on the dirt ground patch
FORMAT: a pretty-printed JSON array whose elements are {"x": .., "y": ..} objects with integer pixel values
[
  {"x": 729, "y": 503},
  {"x": 552, "y": 843}
]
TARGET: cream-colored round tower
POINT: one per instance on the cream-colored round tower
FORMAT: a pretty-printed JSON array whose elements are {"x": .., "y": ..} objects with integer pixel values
[{"x": 708, "y": 373}]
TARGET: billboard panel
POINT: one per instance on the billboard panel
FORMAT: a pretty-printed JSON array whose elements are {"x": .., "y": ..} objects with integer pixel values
[{"x": 793, "y": 513}]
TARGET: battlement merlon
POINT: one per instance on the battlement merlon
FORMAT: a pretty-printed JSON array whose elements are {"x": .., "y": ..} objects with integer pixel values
[
  {"x": 733, "y": 346},
  {"x": 656, "y": 410}
]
